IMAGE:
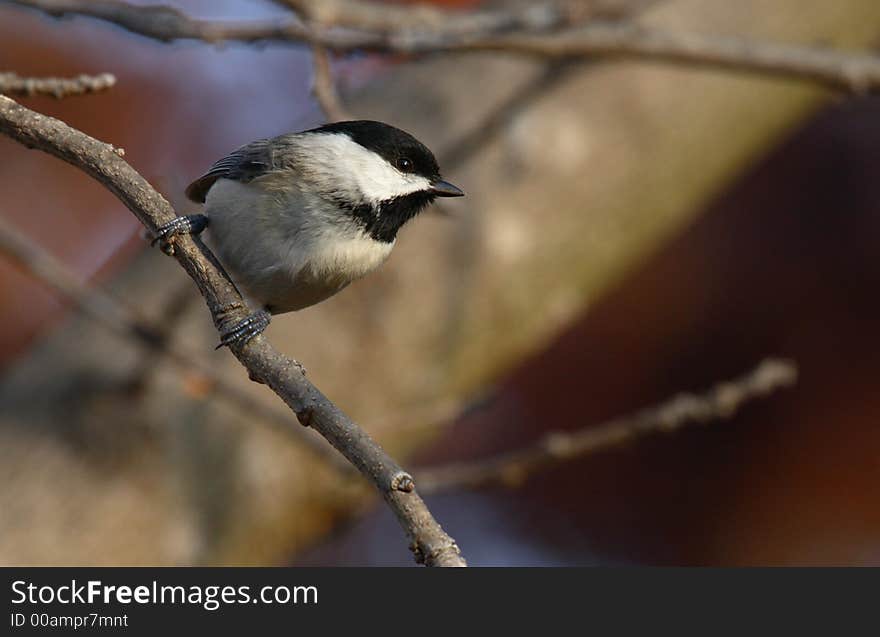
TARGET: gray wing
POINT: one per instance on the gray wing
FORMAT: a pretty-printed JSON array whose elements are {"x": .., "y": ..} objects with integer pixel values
[{"x": 245, "y": 164}]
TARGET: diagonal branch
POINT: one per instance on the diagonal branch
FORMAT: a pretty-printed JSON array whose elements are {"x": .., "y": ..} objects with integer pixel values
[
  {"x": 514, "y": 467},
  {"x": 853, "y": 73},
  {"x": 58, "y": 87},
  {"x": 430, "y": 544}
]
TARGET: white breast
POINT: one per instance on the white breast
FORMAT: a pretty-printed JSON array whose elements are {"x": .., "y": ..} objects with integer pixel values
[{"x": 287, "y": 251}]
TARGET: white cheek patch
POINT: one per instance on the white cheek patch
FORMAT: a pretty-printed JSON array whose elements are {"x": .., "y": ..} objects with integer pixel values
[{"x": 338, "y": 164}]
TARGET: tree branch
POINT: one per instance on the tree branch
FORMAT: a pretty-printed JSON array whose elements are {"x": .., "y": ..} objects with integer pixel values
[
  {"x": 430, "y": 544},
  {"x": 58, "y": 87},
  {"x": 383, "y": 17},
  {"x": 854, "y": 73},
  {"x": 514, "y": 467}
]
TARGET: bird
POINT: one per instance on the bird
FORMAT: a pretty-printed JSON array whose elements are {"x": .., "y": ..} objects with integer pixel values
[{"x": 296, "y": 218}]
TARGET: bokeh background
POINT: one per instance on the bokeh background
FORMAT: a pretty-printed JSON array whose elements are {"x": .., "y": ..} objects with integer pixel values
[{"x": 631, "y": 231}]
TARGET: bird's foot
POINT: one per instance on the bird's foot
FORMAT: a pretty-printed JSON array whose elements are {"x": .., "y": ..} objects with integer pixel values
[
  {"x": 245, "y": 330},
  {"x": 189, "y": 224}
]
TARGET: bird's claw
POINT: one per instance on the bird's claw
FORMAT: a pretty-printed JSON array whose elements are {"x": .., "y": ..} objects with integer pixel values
[
  {"x": 189, "y": 224},
  {"x": 245, "y": 330}
]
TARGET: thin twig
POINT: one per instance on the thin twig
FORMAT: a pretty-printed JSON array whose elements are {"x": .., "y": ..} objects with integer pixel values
[
  {"x": 854, "y": 73},
  {"x": 430, "y": 544},
  {"x": 514, "y": 467},
  {"x": 58, "y": 87},
  {"x": 324, "y": 87},
  {"x": 104, "y": 309}
]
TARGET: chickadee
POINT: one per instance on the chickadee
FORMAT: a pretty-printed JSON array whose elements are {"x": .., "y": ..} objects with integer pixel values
[{"x": 298, "y": 217}]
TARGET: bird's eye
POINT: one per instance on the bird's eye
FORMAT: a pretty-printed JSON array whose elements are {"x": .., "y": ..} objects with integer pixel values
[{"x": 404, "y": 165}]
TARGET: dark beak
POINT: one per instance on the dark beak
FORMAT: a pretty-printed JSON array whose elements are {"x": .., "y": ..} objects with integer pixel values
[{"x": 445, "y": 189}]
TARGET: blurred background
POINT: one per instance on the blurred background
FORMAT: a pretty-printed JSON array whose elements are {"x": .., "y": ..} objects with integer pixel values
[{"x": 632, "y": 230}]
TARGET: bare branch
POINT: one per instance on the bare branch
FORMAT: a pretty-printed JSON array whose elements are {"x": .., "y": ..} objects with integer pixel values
[
  {"x": 854, "y": 73},
  {"x": 324, "y": 87},
  {"x": 514, "y": 467},
  {"x": 58, "y": 87},
  {"x": 430, "y": 544},
  {"x": 383, "y": 17},
  {"x": 122, "y": 320}
]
